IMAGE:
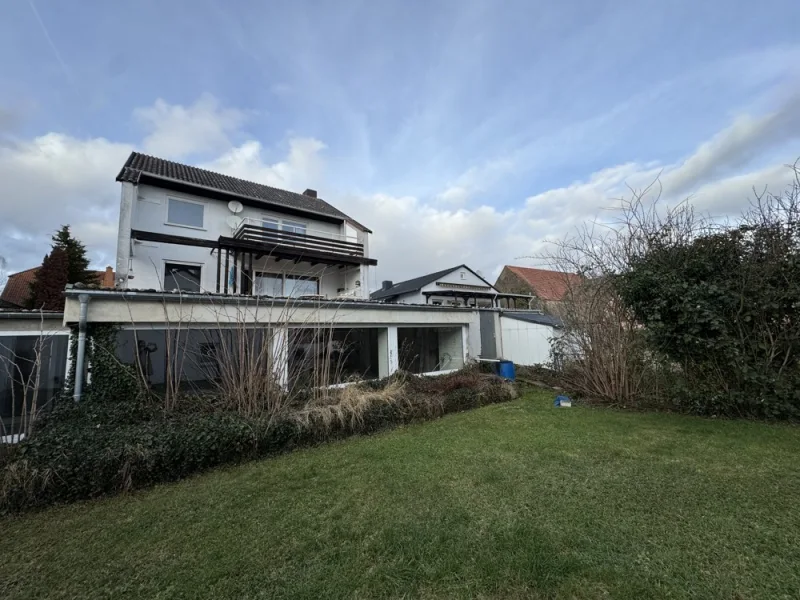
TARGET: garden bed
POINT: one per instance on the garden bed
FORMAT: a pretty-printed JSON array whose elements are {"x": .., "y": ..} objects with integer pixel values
[{"x": 103, "y": 447}]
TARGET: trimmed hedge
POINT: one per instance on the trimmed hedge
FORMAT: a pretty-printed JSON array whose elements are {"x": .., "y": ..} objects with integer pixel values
[{"x": 99, "y": 448}]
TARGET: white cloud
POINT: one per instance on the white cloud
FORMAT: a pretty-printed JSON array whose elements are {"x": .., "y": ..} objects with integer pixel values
[
  {"x": 55, "y": 179},
  {"x": 281, "y": 88},
  {"x": 455, "y": 194},
  {"x": 175, "y": 131},
  {"x": 52, "y": 180},
  {"x": 735, "y": 146},
  {"x": 303, "y": 167},
  {"x": 475, "y": 180}
]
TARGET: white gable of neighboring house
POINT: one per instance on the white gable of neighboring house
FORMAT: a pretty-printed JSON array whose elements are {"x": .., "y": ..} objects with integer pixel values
[{"x": 460, "y": 279}]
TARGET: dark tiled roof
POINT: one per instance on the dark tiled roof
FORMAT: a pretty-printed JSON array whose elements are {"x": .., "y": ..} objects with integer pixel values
[
  {"x": 545, "y": 284},
  {"x": 537, "y": 318},
  {"x": 138, "y": 163},
  {"x": 412, "y": 285}
]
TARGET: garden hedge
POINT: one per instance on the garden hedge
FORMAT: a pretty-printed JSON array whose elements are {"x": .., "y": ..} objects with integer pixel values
[{"x": 98, "y": 448}]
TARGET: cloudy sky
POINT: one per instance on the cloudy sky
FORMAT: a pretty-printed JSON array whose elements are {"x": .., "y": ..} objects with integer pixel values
[{"x": 459, "y": 131}]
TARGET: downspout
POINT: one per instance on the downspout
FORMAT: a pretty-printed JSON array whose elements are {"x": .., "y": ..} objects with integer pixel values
[{"x": 81, "y": 352}]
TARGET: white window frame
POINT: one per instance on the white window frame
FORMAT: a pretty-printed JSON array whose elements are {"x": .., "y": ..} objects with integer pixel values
[
  {"x": 284, "y": 276},
  {"x": 184, "y": 263},
  {"x": 281, "y": 276},
  {"x": 179, "y": 199},
  {"x": 275, "y": 220},
  {"x": 294, "y": 225},
  {"x": 282, "y": 223},
  {"x": 302, "y": 278}
]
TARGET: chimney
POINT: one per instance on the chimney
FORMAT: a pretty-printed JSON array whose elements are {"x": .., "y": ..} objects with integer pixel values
[
  {"x": 310, "y": 192},
  {"x": 107, "y": 278},
  {"x": 386, "y": 285}
]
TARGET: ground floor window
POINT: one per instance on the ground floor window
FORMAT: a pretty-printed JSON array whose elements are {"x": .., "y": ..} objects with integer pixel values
[
  {"x": 290, "y": 286},
  {"x": 199, "y": 359},
  {"x": 20, "y": 357},
  {"x": 428, "y": 349},
  {"x": 325, "y": 356},
  {"x": 181, "y": 277}
]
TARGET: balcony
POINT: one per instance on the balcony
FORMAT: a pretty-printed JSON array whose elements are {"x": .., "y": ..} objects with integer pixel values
[
  {"x": 254, "y": 238},
  {"x": 254, "y": 230}
]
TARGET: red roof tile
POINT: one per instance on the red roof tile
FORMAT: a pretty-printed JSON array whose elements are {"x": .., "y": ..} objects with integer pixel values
[
  {"x": 546, "y": 285},
  {"x": 18, "y": 286}
]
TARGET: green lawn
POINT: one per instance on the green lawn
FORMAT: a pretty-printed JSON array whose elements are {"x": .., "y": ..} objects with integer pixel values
[{"x": 515, "y": 500}]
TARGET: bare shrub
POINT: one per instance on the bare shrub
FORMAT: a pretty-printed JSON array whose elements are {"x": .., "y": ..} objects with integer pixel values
[
  {"x": 21, "y": 482},
  {"x": 601, "y": 352},
  {"x": 256, "y": 357},
  {"x": 25, "y": 374},
  {"x": 346, "y": 407}
]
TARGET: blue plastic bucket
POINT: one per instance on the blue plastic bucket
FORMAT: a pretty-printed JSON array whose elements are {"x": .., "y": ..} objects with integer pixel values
[{"x": 505, "y": 369}]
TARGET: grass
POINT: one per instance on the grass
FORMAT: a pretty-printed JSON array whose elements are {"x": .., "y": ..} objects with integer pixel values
[{"x": 517, "y": 500}]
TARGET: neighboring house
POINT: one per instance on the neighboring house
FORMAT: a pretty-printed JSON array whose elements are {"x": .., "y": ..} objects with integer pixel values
[
  {"x": 548, "y": 287},
  {"x": 188, "y": 229},
  {"x": 17, "y": 291},
  {"x": 457, "y": 286}
]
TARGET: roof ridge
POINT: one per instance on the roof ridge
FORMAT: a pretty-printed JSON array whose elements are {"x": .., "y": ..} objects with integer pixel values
[
  {"x": 24, "y": 271},
  {"x": 210, "y": 172},
  {"x": 540, "y": 269},
  {"x": 140, "y": 165}
]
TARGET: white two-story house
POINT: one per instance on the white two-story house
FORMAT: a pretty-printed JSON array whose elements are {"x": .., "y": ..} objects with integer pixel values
[{"x": 189, "y": 229}]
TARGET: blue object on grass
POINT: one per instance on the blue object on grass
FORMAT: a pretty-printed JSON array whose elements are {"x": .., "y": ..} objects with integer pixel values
[
  {"x": 505, "y": 369},
  {"x": 560, "y": 399}
]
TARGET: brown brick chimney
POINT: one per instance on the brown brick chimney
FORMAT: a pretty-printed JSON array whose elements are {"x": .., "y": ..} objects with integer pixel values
[
  {"x": 106, "y": 278},
  {"x": 310, "y": 192}
]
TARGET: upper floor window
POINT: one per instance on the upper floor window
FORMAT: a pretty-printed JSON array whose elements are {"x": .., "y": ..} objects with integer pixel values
[
  {"x": 283, "y": 225},
  {"x": 185, "y": 213},
  {"x": 269, "y": 223},
  {"x": 185, "y": 278},
  {"x": 294, "y": 227}
]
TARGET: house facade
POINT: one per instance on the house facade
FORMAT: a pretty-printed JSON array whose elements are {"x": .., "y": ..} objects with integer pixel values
[
  {"x": 210, "y": 266},
  {"x": 204, "y": 258},
  {"x": 182, "y": 228},
  {"x": 457, "y": 286}
]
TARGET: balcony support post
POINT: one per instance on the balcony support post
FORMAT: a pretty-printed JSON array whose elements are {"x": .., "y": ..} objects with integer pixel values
[
  {"x": 227, "y": 270},
  {"x": 219, "y": 265},
  {"x": 235, "y": 270}
]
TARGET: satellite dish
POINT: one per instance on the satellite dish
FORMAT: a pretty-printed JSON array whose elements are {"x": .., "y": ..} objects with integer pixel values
[
  {"x": 233, "y": 221},
  {"x": 235, "y": 206}
]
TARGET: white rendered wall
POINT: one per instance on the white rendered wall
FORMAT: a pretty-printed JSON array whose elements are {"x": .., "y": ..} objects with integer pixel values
[
  {"x": 149, "y": 213},
  {"x": 525, "y": 343}
]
